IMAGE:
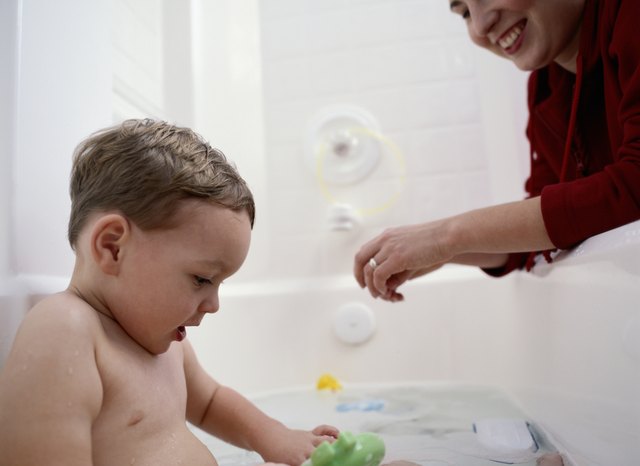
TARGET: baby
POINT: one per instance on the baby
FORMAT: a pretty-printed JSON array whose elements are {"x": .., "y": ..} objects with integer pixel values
[{"x": 103, "y": 373}]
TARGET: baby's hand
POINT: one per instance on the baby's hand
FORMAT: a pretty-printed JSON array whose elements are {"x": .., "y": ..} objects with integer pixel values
[
  {"x": 325, "y": 432},
  {"x": 293, "y": 447}
]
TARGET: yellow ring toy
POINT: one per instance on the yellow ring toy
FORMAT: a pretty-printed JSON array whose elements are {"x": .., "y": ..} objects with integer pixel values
[{"x": 393, "y": 149}]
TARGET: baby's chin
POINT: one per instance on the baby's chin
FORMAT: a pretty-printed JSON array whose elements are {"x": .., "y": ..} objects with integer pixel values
[{"x": 160, "y": 347}]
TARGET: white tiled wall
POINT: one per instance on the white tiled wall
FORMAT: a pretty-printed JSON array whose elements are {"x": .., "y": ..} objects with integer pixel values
[
  {"x": 250, "y": 75},
  {"x": 407, "y": 62},
  {"x": 152, "y": 60},
  {"x": 9, "y": 40},
  {"x": 138, "y": 54}
]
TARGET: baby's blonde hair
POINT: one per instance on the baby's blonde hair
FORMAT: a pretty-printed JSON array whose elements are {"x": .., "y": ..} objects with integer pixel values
[{"x": 144, "y": 169}]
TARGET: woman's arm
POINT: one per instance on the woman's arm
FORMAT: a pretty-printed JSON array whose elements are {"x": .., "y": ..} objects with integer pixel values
[{"x": 481, "y": 237}]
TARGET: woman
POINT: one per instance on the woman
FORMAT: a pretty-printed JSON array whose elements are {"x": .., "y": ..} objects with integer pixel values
[{"x": 584, "y": 132}]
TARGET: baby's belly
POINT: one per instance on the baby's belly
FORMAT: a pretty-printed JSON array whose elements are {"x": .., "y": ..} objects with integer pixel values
[{"x": 171, "y": 447}]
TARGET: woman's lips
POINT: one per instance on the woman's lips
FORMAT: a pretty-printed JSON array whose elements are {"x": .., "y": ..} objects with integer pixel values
[
  {"x": 181, "y": 333},
  {"x": 511, "y": 40}
]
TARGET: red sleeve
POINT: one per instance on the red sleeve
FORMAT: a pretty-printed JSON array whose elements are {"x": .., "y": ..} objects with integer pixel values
[
  {"x": 576, "y": 210},
  {"x": 541, "y": 173},
  {"x": 516, "y": 261}
]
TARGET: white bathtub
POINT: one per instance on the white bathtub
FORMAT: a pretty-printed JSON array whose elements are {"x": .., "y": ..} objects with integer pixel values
[{"x": 563, "y": 342}]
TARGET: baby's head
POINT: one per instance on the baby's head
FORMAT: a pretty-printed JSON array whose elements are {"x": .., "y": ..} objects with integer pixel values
[
  {"x": 159, "y": 220},
  {"x": 144, "y": 169}
]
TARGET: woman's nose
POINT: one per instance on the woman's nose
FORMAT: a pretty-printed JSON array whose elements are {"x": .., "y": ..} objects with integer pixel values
[{"x": 483, "y": 18}]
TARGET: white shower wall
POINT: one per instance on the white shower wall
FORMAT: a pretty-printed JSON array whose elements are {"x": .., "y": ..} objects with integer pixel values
[
  {"x": 9, "y": 295},
  {"x": 455, "y": 113},
  {"x": 255, "y": 73},
  {"x": 8, "y": 87}
]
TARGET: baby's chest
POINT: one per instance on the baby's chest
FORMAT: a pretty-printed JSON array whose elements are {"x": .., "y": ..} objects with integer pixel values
[
  {"x": 142, "y": 418},
  {"x": 142, "y": 392}
]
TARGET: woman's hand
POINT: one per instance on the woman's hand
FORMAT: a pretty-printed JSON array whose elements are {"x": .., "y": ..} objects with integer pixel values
[
  {"x": 481, "y": 237},
  {"x": 400, "y": 254}
]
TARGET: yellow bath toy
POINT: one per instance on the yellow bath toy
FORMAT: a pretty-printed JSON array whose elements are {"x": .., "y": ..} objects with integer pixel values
[
  {"x": 328, "y": 382},
  {"x": 366, "y": 449}
]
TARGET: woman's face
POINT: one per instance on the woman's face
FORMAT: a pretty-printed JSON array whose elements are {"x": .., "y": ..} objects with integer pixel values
[{"x": 531, "y": 33}]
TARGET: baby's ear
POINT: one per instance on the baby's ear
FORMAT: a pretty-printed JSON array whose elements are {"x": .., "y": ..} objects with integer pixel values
[{"x": 108, "y": 236}]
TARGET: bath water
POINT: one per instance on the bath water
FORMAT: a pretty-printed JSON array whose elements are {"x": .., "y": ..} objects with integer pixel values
[{"x": 428, "y": 424}]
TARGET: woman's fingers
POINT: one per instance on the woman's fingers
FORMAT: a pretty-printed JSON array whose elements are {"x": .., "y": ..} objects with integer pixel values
[
  {"x": 363, "y": 258},
  {"x": 392, "y": 258}
]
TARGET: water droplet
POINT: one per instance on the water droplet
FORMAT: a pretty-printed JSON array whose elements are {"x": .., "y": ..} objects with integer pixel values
[{"x": 70, "y": 370}]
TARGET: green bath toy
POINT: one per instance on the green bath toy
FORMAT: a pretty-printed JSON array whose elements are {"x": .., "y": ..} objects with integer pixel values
[{"x": 366, "y": 449}]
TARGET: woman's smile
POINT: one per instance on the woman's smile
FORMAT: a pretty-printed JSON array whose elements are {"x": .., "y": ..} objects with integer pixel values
[{"x": 511, "y": 40}]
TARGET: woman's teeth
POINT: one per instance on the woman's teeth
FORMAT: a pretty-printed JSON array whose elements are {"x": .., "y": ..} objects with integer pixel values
[{"x": 508, "y": 40}]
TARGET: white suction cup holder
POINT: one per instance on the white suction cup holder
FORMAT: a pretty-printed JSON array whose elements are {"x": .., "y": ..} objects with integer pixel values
[
  {"x": 354, "y": 323},
  {"x": 339, "y": 142}
]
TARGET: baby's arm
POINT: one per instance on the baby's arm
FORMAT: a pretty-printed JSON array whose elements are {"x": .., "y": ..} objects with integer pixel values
[
  {"x": 50, "y": 391},
  {"x": 229, "y": 416}
]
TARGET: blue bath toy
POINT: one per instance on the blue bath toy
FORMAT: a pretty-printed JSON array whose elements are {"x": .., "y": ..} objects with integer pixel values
[
  {"x": 365, "y": 449},
  {"x": 365, "y": 405}
]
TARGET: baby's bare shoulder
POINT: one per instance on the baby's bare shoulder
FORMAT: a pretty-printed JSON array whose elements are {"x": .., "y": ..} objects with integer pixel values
[
  {"x": 58, "y": 327},
  {"x": 51, "y": 369},
  {"x": 62, "y": 312}
]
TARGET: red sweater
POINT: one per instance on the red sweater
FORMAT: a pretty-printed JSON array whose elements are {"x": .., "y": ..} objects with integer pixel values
[{"x": 584, "y": 131}]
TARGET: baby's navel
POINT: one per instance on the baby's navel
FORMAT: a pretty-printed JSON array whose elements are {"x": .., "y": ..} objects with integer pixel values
[{"x": 135, "y": 418}]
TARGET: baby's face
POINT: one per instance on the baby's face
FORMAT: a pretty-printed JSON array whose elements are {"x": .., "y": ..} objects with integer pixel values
[{"x": 170, "y": 278}]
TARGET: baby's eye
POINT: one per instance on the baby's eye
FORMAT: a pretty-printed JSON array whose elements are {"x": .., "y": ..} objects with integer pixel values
[{"x": 199, "y": 281}]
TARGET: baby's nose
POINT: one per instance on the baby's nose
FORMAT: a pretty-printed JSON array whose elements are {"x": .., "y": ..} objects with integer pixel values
[{"x": 210, "y": 305}]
